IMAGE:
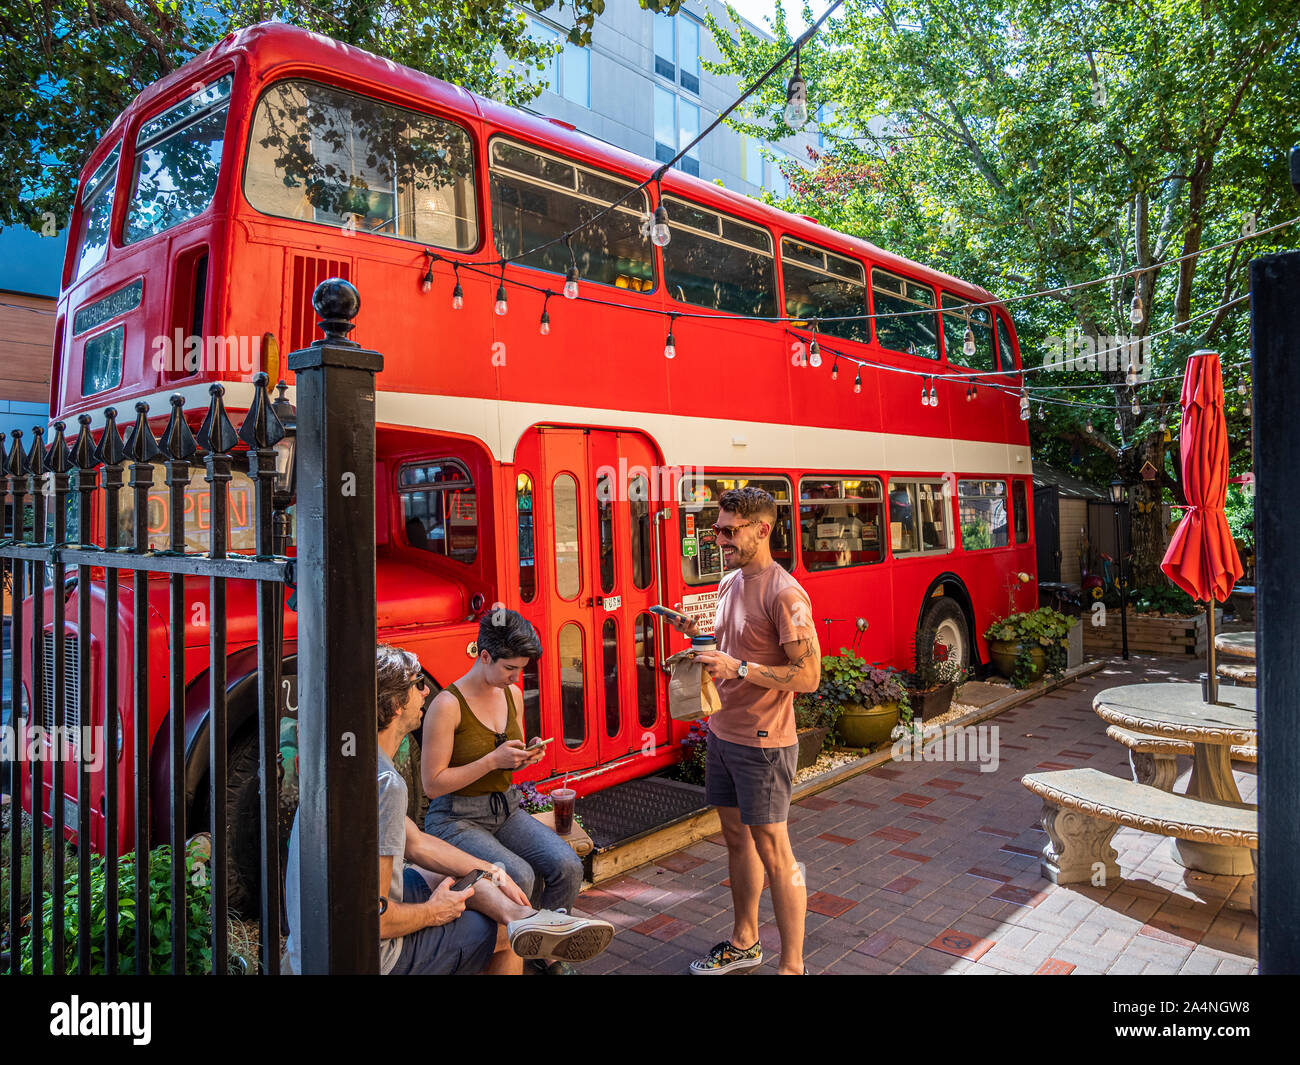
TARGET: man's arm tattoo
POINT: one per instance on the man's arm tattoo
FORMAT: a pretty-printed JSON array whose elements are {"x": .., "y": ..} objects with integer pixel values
[{"x": 785, "y": 674}]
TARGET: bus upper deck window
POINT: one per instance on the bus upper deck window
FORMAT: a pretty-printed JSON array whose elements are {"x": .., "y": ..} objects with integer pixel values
[
  {"x": 338, "y": 159},
  {"x": 821, "y": 284},
  {"x": 537, "y": 197},
  {"x": 96, "y": 208},
  {"x": 718, "y": 261},
  {"x": 902, "y": 323},
  {"x": 177, "y": 159}
]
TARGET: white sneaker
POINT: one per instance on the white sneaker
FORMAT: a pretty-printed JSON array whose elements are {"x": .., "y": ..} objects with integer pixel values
[{"x": 556, "y": 934}]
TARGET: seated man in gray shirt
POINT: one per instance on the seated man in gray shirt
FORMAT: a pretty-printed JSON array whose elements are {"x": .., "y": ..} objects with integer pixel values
[{"x": 425, "y": 926}]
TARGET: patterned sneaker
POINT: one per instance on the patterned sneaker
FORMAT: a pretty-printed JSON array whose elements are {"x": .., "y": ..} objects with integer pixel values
[
  {"x": 556, "y": 934},
  {"x": 727, "y": 958}
]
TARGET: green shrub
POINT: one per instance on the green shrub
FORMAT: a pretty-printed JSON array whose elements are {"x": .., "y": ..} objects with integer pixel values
[{"x": 198, "y": 928}]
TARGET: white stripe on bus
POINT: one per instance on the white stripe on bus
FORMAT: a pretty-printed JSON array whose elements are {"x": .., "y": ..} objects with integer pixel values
[{"x": 713, "y": 442}]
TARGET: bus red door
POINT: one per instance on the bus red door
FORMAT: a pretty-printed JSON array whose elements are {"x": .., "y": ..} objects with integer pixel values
[{"x": 595, "y": 583}]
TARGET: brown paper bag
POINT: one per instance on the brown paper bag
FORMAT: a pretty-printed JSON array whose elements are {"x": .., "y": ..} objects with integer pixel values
[{"x": 691, "y": 692}]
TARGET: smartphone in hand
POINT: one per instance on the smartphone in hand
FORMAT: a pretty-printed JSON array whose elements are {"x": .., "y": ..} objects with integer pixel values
[
  {"x": 675, "y": 617},
  {"x": 537, "y": 745},
  {"x": 468, "y": 879}
]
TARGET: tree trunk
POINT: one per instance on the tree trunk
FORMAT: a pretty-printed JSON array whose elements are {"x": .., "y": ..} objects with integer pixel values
[{"x": 1147, "y": 525}]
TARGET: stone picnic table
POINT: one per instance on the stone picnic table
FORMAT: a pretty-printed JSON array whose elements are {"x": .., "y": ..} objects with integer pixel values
[
  {"x": 1236, "y": 644},
  {"x": 1177, "y": 711}
]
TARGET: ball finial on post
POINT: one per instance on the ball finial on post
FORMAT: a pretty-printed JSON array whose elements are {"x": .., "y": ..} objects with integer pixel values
[{"x": 336, "y": 302}]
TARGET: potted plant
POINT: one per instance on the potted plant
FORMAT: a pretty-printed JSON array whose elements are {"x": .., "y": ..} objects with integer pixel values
[
  {"x": 1024, "y": 646},
  {"x": 815, "y": 714},
  {"x": 931, "y": 684},
  {"x": 867, "y": 699}
]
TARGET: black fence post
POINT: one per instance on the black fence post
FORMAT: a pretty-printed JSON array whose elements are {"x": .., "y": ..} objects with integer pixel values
[
  {"x": 338, "y": 730},
  {"x": 1275, "y": 374}
]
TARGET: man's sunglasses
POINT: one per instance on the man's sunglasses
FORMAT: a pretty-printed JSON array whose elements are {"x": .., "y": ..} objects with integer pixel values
[{"x": 728, "y": 532}]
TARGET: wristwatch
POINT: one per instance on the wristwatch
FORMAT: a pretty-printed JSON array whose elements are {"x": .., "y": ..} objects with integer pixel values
[
  {"x": 742, "y": 670},
  {"x": 383, "y": 904}
]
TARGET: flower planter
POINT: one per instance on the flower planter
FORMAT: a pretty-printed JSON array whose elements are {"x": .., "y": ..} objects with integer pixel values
[
  {"x": 810, "y": 745},
  {"x": 1003, "y": 653},
  {"x": 865, "y": 726},
  {"x": 1150, "y": 634},
  {"x": 929, "y": 704}
]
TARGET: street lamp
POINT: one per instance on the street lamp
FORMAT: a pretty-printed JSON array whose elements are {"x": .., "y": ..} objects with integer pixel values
[
  {"x": 1118, "y": 498},
  {"x": 285, "y": 467}
]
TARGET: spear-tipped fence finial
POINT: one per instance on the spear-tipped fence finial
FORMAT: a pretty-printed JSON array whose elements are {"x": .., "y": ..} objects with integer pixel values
[
  {"x": 141, "y": 445},
  {"x": 217, "y": 433},
  {"x": 110, "y": 450},
  {"x": 56, "y": 455},
  {"x": 36, "y": 454},
  {"x": 17, "y": 456},
  {"x": 177, "y": 440},
  {"x": 260, "y": 427},
  {"x": 82, "y": 453}
]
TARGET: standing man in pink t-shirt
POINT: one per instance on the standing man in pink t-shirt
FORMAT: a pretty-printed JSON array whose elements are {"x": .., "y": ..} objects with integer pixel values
[{"x": 767, "y": 651}]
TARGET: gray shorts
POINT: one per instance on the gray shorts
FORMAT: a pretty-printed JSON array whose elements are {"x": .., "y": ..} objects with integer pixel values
[
  {"x": 463, "y": 947},
  {"x": 756, "y": 779}
]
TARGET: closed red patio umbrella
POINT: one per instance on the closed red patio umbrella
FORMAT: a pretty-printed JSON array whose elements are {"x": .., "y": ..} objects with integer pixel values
[{"x": 1201, "y": 558}]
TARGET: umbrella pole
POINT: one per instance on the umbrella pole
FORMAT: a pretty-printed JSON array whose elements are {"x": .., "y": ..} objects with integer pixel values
[{"x": 1212, "y": 683}]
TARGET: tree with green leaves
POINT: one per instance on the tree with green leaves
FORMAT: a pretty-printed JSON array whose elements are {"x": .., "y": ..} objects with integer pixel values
[
  {"x": 1036, "y": 144},
  {"x": 70, "y": 68}
]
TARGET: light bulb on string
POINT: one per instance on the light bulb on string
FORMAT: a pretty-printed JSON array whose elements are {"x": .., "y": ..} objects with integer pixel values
[
  {"x": 1117, "y": 425},
  {"x": 1136, "y": 408},
  {"x": 500, "y": 306},
  {"x": 925, "y": 395},
  {"x": 1131, "y": 377},
  {"x": 968, "y": 344},
  {"x": 1024, "y": 405},
  {"x": 968, "y": 392},
  {"x": 857, "y": 382},
  {"x": 1241, "y": 387},
  {"x": 796, "y": 98},
  {"x": 1245, "y": 409},
  {"x": 814, "y": 349},
  {"x": 670, "y": 345},
  {"x": 1135, "y": 311},
  {"x": 934, "y": 395},
  {"x": 1087, "y": 428},
  {"x": 427, "y": 284},
  {"x": 545, "y": 327},
  {"x": 660, "y": 234},
  {"x": 1041, "y": 413},
  {"x": 835, "y": 369},
  {"x": 571, "y": 283},
  {"x": 457, "y": 293}
]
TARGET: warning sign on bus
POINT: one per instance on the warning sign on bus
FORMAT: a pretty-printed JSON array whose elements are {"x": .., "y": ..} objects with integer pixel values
[{"x": 701, "y": 608}]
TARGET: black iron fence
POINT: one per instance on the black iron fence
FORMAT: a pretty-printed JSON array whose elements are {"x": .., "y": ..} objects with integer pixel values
[{"x": 118, "y": 737}]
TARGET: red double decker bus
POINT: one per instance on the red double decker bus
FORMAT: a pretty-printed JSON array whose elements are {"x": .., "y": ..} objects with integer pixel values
[{"x": 536, "y": 450}]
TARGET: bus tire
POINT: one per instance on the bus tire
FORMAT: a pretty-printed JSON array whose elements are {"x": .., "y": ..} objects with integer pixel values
[
  {"x": 243, "y": 823},
  {"x": 944, "y": 622},
  {"x": 244, "y": 827}
]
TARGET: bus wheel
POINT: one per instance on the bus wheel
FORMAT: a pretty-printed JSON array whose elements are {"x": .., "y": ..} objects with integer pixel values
[
  {"x": 944, "y": 623},
  {"x": 243, "y": 821}
]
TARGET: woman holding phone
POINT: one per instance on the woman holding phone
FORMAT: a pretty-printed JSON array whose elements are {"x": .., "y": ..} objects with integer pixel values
[{"x": 472, "y": 743}]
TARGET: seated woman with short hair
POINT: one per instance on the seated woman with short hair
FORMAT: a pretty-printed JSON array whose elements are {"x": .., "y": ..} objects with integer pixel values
[{"x": 472, "y": 743}]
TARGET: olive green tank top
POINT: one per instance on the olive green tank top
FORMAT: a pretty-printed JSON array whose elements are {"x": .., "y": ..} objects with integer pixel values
[{"x": 473, "y": 740}]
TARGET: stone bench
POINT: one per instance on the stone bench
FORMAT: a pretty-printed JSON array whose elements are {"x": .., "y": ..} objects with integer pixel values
[
  {"x": 1239, "y": 673},
  {"x": 1154, "y": 759},
  {"x": 1084, "y": 808}
]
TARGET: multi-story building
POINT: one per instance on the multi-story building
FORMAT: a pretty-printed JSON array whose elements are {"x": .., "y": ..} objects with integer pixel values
[{"x": 641, "y": 85}]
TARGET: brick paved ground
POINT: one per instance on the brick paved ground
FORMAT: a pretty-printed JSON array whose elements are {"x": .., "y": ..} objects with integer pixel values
[{"x": 932, "y": 867}]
